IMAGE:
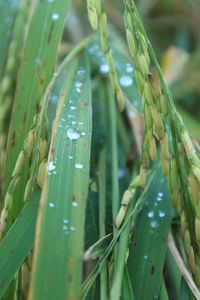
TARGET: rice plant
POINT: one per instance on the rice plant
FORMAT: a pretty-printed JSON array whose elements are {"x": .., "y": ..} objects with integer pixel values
[{"x": 100, "y": 168}]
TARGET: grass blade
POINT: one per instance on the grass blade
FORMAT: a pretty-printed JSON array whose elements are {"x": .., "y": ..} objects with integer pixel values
[
  {"x": 36, "y": 71},
  {"x": 18, "y": 242},
  {"x": 149, "y": 244},
  {"x": 64, "y": 196}
]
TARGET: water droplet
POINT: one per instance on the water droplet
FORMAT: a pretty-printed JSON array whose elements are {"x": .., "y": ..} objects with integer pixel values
[
  {"x": 73, "y": 134},
  {"x": 72, "y": 228},
  {"x": 55, "y": 74},
  {"x": 51, "y": 204},
  {"x": 78, "y": 84},
  {"x": 150, "y": 214},
  {"x": 154, "y": 224},
  {"x": 75, "y": 203},
  {"x": 50, "y": 166},
  {"x": 50, "y": 1},
  {"x": 161, "y": 213},
  {"x": 79, "y": 165},
  {"x": 83, "y": 133},
  {"x": 155, "y": 204},
  {"x": 38, "y": 62},
  {"x": 65, "y": 221},
  {"x": 81, "y": 72},
  {"x": 78, "y": 90},
  {"x": 73, "y": 122},
  {"x": 80, "y": 123},
  {"x": 159, "y": 197},
  {"x": 55, "y": 16},
  {"x": 65, "y": 227},
  {"x": 72, "y": 107},
  {"x": 70, "y": 157},
  {"x": 54, "y": 99},
  {"x": 125, "y": 80},
  {"x": 129, "y": 68},
  {"x": 104, "y": 68},
  {"x": 145, "y": 256},
  {"x": 70, "y": 116},
  {"x": 120, "y": 173}
]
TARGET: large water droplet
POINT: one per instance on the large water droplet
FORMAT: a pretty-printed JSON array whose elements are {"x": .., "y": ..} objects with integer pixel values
[
  {"x": 73, "y": 134},
  {"x": 154, "y": 224},
  {"x": 72, "y": 107},
  {"x": 55, "y": 16},
  {"x": 51, "y": 204},
  {"x": 78, "y": 84},
  {"x": 161, "y": 214},
  {"x": 125, "y": 80},
  {"x": 79, "y": 165},
  {"x": 104, "y": 68},
  {"x": 150, "y": 214},
  {"x": 75, "y": 203}
]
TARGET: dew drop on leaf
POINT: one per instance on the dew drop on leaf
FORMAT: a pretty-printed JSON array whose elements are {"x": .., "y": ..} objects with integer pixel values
[
  {"x": 73, "y": 134},
  {"x": 55, "y": 16},
  {"x": 104, "y": 68},
  {"x": 125, "y": 80},
  {"x": 79, "y": 166}
]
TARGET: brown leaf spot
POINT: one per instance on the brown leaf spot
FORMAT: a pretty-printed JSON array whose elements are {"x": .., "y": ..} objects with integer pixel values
[
  {"x": 13, "y": 140},
  {"x": 37, "y": 107},
  {"x": 3, "y": 283},
  {"x": 50, "y": 33},
  {"x": 41, "y": 80},
  {"x": 152, "y": 270},
  {"x": 25, "y": 117}
]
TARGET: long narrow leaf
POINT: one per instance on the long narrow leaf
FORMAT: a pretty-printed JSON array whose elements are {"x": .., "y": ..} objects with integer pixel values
[
  {"x": 61, "y": 219},
  {"x": 36, "y": 71},
  {"x": 18, "y": 242},
  {"x": 148, "y": 249}
]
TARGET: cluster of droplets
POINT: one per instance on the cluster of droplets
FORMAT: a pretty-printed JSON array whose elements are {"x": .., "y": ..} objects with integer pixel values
[
  {"x": 126, "y": 79},
  {"x": 51, "y": 168},
  {"x": 157, "y": 213},
  {"x": 66, "y": 227}
]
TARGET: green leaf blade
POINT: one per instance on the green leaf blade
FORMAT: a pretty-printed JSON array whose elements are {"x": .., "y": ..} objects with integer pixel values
[
  {"x": 148, "y": 249},
  {"x": 18, "y": 242},
  {"x": 61, "y": 221}
]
